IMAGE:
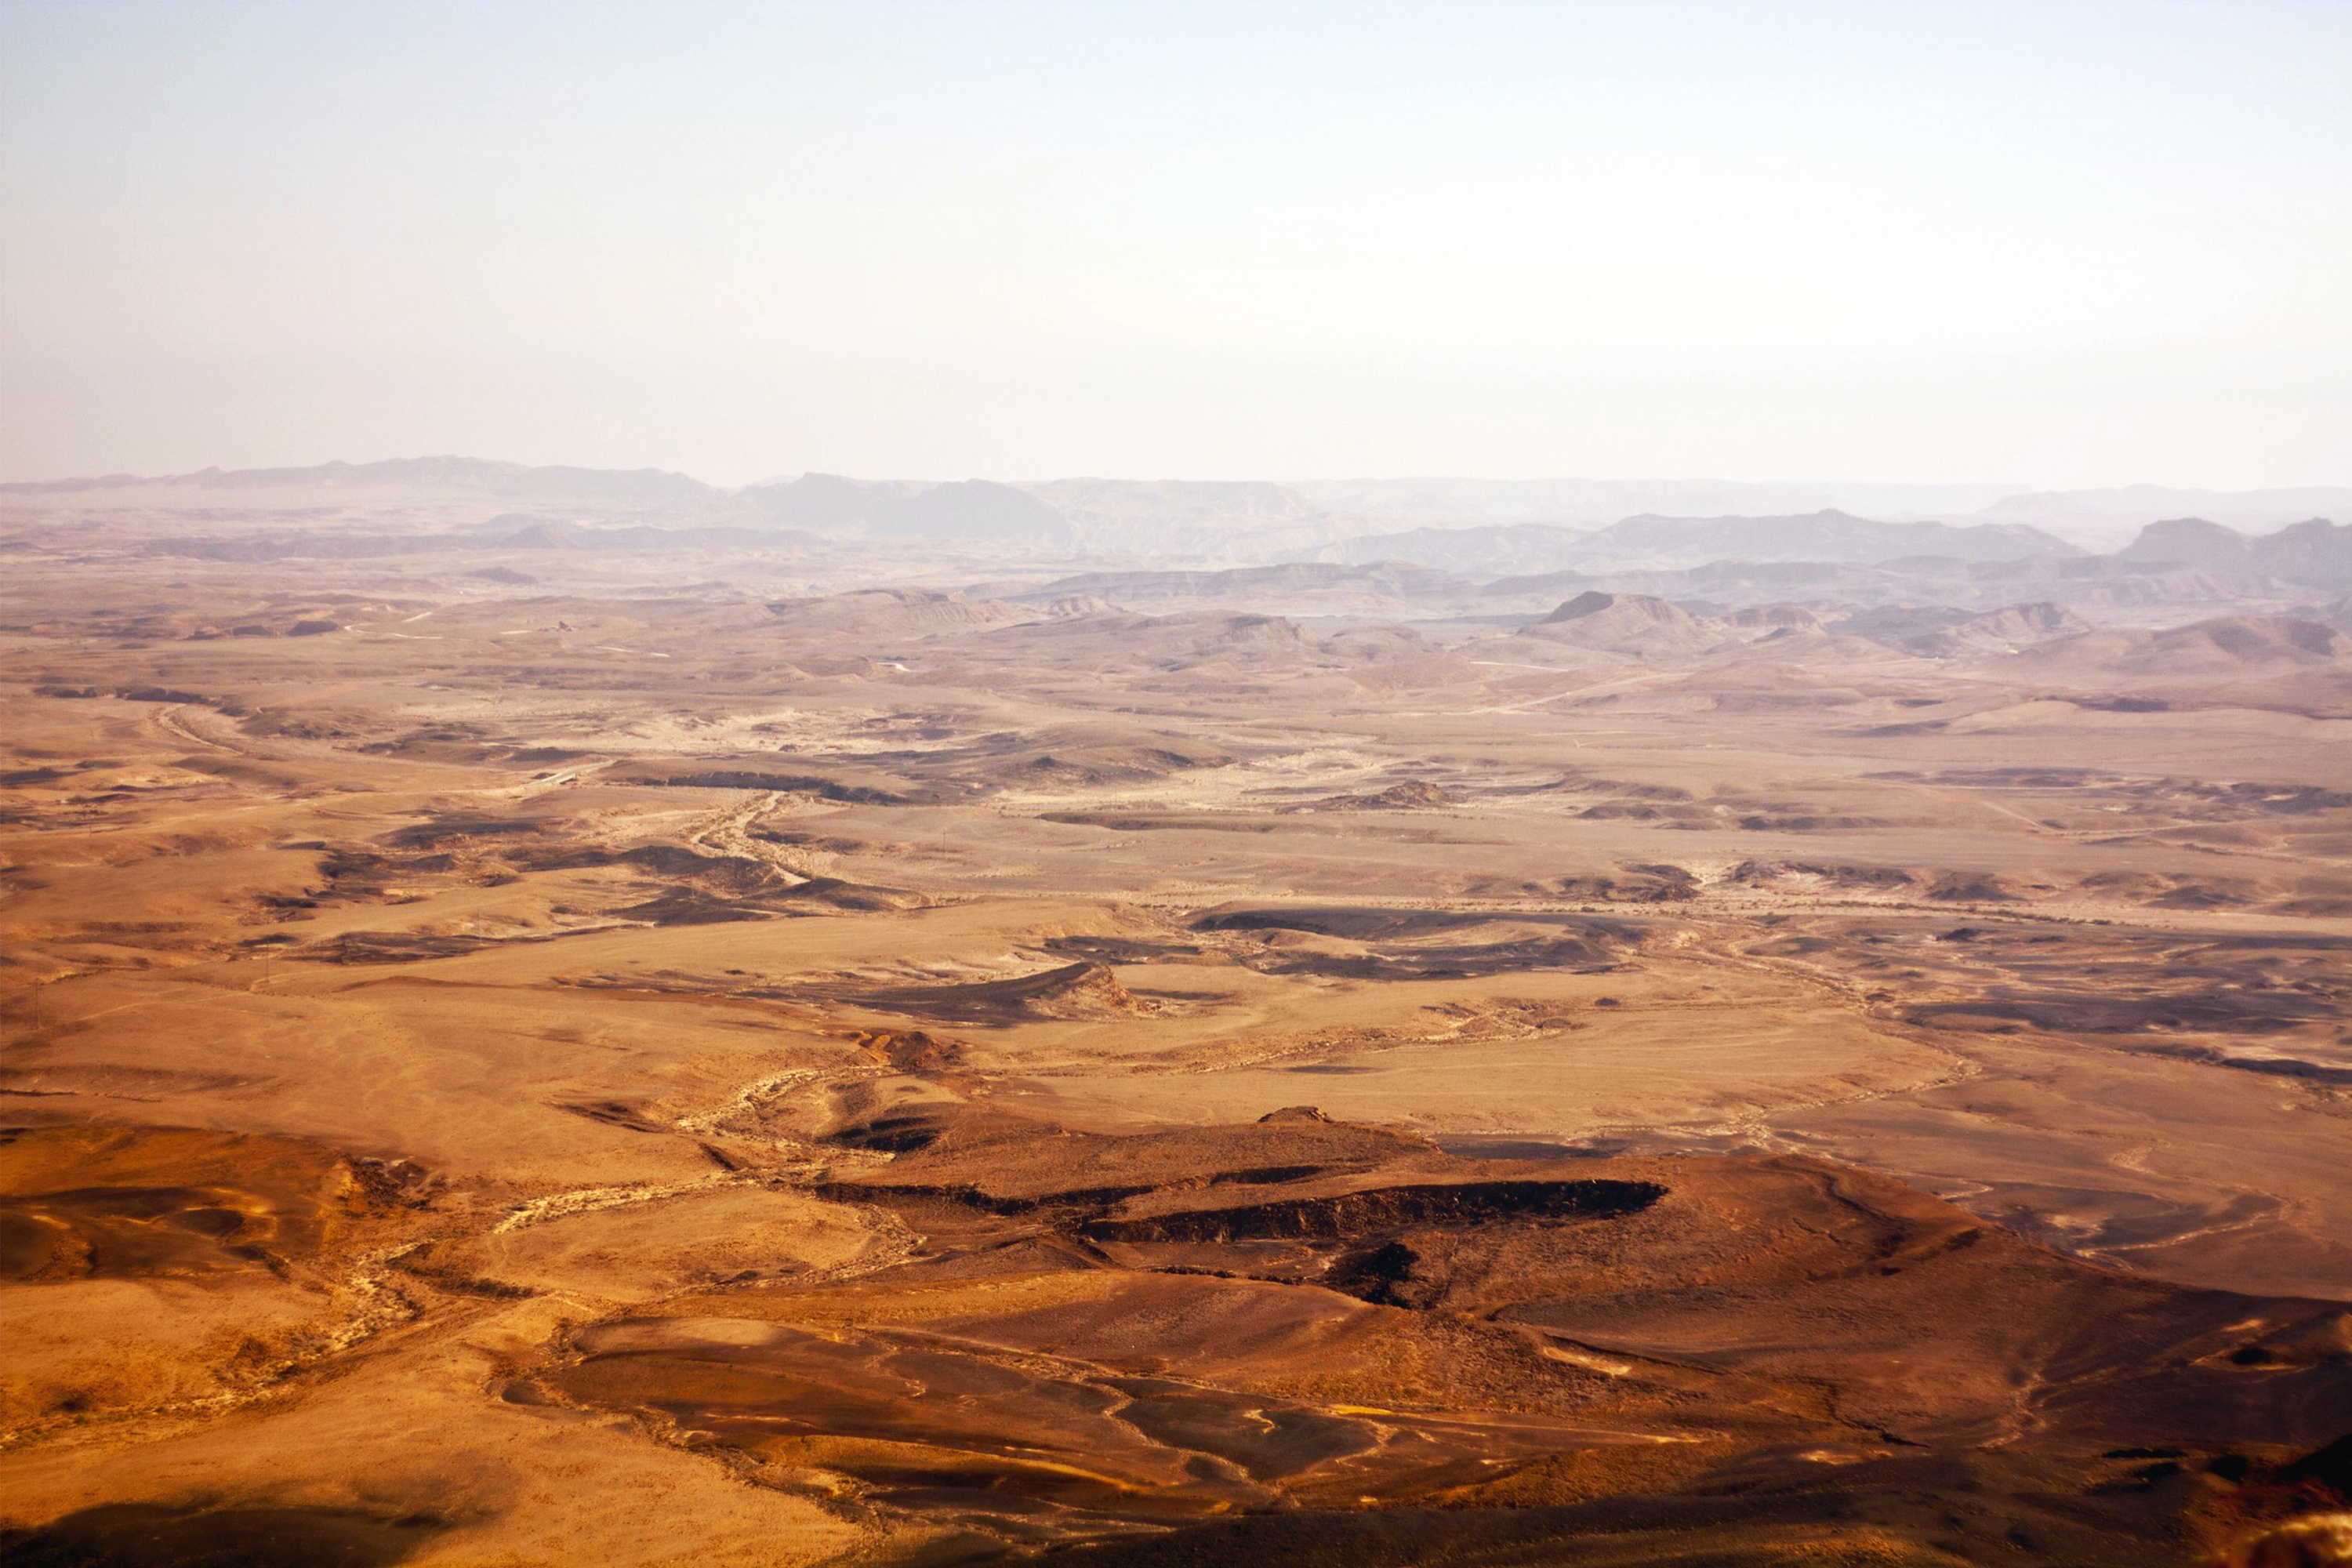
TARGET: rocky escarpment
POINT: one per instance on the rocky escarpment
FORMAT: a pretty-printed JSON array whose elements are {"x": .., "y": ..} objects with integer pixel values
[{"x": 1350, "y": 1215}]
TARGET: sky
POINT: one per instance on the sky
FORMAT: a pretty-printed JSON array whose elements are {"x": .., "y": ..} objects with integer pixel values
[{"x": 2061, "y": 243}]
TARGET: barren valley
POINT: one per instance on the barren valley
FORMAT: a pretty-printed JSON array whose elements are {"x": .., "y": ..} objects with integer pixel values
[{"x": 563, "y": 1018}]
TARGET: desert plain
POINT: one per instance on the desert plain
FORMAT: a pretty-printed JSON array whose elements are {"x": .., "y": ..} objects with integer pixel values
[{"x": 552, "y": 1018}]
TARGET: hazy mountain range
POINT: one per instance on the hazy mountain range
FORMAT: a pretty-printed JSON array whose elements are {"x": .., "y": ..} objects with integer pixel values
[
  {"x": 1465, "y": 525},
  {"x": 1649, "y": 540}
]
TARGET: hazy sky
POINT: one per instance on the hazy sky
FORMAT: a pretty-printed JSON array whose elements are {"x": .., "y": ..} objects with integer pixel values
[{"x": 2044, "y": 242}]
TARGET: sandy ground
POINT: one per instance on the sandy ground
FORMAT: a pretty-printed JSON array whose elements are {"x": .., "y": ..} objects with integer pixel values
[{"x": 414, "y": 1031}]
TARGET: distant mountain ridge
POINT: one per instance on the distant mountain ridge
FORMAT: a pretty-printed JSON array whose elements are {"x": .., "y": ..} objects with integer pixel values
[
  {"x": 2094, "y": 519},
  {"x": 1593, "y": 503},
  {"x": 1650, "y": 541},
  {"x": 2315, "y": 551},
  {"x": 1465, "y": 526},
  {"x": 1828, "y": 535},
  {"x": 638, "y": 486},
  {"x": 1164, "y": 517},
  {"x": 967, "y": 509},
  {"x": 2109, "y": 516}
]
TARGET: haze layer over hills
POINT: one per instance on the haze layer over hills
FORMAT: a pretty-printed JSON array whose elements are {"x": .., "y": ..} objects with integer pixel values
[
  {"x": 561, "y": 1016},
  {"x": 1230, "y": 521}
]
